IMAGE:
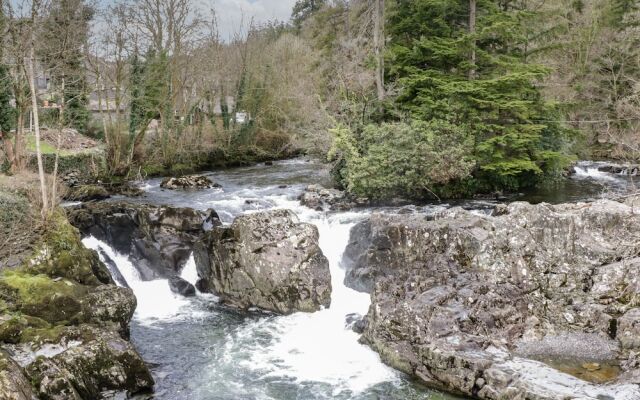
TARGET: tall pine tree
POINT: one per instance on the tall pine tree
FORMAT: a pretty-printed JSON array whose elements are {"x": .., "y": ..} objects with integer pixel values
[{"x": 476, "y": 77}]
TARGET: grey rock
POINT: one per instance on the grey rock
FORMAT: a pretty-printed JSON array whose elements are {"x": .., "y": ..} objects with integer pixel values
[
  {"x": 181, "y": 287},
  {"x": 268, "y": 260},
  {"x": 321, "y": 199},
  {"x": 92, "y": 361},
  {"x": 188, "y": 182},
  {"x": 158, "y": 239},
  {"x": 453, "y": 299}
]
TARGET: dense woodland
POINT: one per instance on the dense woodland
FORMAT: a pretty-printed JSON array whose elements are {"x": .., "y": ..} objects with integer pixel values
[{"x": 414, "y": 98}]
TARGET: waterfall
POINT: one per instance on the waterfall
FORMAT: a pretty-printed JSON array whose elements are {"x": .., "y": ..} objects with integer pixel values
[
  {"x": 156, "y": 301},
  {"x": 589, "y": 171},
  {"x": 318, "y": 347}
]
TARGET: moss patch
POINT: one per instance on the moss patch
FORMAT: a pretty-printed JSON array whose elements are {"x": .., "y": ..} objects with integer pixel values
[
  {"x": 55, "y": 301},
  {"x": 62, "y": 254}
]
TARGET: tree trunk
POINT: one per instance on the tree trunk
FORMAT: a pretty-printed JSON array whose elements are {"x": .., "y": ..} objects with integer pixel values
[
  {"x": 378, "y": 43},
  {"x": 17, "y": 146},
  {"x": 34, "y": 107},
  {"x": 472, "y": 32},
  {"x": 8, "y": 149},
  {"x": 62, "y": 104}
]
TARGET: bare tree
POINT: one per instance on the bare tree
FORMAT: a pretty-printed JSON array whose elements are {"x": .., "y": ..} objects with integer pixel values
[{"x": 31, "y": 60}]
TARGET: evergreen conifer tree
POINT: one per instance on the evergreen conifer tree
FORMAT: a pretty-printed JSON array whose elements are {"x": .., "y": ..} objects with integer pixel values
[{"x": 498, "y": 103}]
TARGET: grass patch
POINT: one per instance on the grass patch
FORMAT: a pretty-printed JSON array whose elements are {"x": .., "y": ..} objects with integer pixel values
[{"x": 48, "y": 148}]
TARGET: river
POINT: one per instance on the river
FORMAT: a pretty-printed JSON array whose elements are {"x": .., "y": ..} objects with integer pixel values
[{"x": 201, "y": 350}]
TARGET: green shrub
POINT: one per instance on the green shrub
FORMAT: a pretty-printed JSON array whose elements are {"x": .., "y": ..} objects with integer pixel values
[{"x": 413, "y": 160}]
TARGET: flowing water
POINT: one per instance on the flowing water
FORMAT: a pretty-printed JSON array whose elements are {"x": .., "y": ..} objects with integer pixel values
[{"x": 201, "y": 350}]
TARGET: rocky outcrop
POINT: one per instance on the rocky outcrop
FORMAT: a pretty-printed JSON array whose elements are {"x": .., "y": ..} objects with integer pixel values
[
  {"x": 188, "y": 182},
  {"x": 322, "y": 199},
  {"x": 86, "y": 193},
  {"x": 495, "y": 307},
  {"x": 64, "y": 324},
  {"x": 268, "y": 260},
  {"x": 629, "y": 169},
  {"x": 181, "y": 287},
  {"x": 158, "y": 239},
  {"x": 89, "y": 362}
]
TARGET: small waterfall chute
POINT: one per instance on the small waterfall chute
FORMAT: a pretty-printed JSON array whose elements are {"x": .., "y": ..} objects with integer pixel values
[{"x": 155, "y": 299}]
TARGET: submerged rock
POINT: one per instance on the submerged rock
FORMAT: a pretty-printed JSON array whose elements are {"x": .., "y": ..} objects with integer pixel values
[
  {"x": 189, "y": 182},
  {"x": 181, "y": 287},
  {"x": 472, "y": 304},
  {"x": 158, "y": 239},
  {"x": 268, "y": 260}
]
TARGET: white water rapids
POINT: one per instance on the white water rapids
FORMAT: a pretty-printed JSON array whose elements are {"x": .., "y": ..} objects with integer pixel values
[
  {"x": 304, "y": 349},
  {"x": 200, "y": 350}
]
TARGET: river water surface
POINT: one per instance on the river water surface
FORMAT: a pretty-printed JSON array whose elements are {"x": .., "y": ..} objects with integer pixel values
[{"x": 200, "y": 350}]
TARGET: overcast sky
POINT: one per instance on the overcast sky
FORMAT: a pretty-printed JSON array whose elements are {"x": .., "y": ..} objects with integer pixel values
[{"x": 232, "y": 12}]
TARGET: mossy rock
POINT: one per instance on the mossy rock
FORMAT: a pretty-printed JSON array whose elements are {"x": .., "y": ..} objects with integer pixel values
[
  {"x": 87, "y": 193},
  {"x": 62, "y": 254},
  {"x": 18, "y": 327},
  {"x": 102, "y": 361},
  {"x": 55, "y": 301}
]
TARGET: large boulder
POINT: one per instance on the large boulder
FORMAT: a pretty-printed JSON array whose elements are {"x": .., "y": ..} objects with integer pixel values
[
  {"x": 268, "y": 260},
  {"x": 86, "y": 363},
  {"x": 188, "y": 182},
  {"x": 158, "y": 239},
  {"x": 496, "y": 307}
]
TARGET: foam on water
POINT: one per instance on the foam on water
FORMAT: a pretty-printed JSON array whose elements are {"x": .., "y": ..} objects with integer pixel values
[{"x": 593, "y": 173}]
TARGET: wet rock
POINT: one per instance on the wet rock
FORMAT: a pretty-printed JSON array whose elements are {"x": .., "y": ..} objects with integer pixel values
[
  {"x": 113, "y": 268},
  {"x": 158, "y": 239},
  {"x": 189, "y": 182},
  {"x": 620, "y": 169},
  {"x": 355, "y": 322},
  {"x": 93, "y": 361},
  {"x": 268, "y": 260},
  {"x": 320, "y": 198},
  {"x": 86, "y": 193},
  {"x": 109, "y": 303},
  {"x": 454, "y": 298},
  {"x": 181, "y": 287},
  {"x": 14, "y": 385}
]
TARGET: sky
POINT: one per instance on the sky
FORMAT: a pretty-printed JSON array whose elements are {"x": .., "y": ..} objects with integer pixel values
[{"x": 231, "y": 13}]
